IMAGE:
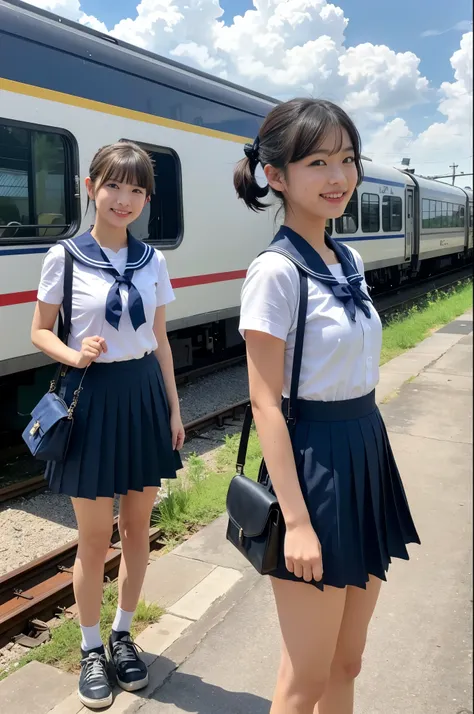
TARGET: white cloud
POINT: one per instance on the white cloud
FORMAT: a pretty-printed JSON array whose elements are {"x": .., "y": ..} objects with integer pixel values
[
  {"x": 462, "y": 26},
  {"x": 443, "y": 142},
  {"x": 67, "y": 8},
  {"x": 287, "y": 48}
]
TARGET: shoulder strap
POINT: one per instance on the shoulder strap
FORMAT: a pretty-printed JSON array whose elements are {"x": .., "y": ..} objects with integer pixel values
[
  {"x": 64, "y": 324},
  {"x": 298, "y": 352},
  {"x": 295, "y": 377}
]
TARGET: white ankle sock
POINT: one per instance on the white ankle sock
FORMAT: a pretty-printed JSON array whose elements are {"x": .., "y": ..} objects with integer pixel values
[
  {"x": 91, "y": 637},
  {"x": 123, "y": 620}
]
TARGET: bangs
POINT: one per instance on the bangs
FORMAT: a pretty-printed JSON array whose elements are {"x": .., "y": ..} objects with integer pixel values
[
  {"x": 129, "y": 166},
  {"x": 315, "y": 124}
]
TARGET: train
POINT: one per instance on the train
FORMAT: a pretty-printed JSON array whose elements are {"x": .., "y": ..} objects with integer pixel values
[{"x": 66, "y": 90}]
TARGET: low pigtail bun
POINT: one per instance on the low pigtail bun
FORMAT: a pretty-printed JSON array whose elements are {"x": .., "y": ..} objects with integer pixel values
[{"x": 245, "y": 183}]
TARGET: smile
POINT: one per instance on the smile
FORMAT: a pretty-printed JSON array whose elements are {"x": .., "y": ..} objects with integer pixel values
[
  {"x": 121, "y": 213},
  {"x": 334, "y": 197}
]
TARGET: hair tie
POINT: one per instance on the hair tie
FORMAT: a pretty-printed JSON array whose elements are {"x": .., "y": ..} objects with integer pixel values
[{"x": 251, "y": 152}]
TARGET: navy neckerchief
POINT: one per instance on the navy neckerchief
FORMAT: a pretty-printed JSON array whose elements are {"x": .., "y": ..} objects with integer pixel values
[
  {"x": 300, "y": 252},
  {"x": 87, "y": 251}
]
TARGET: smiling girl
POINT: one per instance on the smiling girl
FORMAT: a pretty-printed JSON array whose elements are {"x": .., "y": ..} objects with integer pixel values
[
  {"x": 127, "y": 425},
  {"x": 330, "y": 464}
]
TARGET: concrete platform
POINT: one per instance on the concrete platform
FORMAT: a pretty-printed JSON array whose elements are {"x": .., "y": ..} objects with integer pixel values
[
  {"x": 35, "y": 689},
  {"x": 217, "y": 648}
]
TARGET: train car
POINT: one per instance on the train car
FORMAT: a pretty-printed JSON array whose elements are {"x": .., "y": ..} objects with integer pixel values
[
  {"x": 442, "y": 223},
  {"x": 66, "y": 90}
]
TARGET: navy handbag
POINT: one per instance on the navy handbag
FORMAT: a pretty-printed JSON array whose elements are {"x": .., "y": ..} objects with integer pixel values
[{"x": 48, "y": 433}]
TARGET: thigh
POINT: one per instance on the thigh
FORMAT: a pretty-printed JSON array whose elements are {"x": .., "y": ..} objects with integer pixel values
[
  {"x": 94, "y": 517},
  {"x": 136, "y": 507},
  {"x": 358, "y": 610},
  {"x": 310, "y": 621}
]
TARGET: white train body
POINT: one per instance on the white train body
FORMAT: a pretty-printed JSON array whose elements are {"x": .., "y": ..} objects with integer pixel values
[{"x": 66, "y": 90}]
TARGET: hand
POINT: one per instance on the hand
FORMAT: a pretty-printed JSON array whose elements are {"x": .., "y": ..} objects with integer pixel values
[
  {"x": 177, "y": 430},
  {"x": 91, "y": 348},
  {"x": 303, "y": 552}
]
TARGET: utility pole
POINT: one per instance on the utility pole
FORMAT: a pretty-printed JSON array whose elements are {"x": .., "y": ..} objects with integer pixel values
[{"x": 454, "y": 167}]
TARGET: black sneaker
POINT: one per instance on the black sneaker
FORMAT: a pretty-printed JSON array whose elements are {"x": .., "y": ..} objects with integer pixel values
[
  {"x": 94, "y": 691},
  {"x": 131, "y": 671}
]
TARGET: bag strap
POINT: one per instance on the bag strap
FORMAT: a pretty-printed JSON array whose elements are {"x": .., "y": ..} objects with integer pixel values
[
  {"x": 298, "y": 352},
  {"x": 64, "y": 323},
  {"x": 295, "y": 377}
]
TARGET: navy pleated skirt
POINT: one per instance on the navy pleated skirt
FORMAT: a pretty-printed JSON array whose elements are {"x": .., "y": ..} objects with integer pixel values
[
  {"x": 121, "y": 437},
  {"x": 353, "y": 491}
]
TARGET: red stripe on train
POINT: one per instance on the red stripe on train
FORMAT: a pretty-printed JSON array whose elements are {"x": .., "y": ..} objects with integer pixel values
[
  {"x": 30, "y": 295},
  {"x": 17, "y": 298},
  {"x": 206, "y": 279}
]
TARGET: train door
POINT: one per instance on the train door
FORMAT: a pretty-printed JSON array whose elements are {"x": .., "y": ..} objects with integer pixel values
[{"x": 409, "y": 222}]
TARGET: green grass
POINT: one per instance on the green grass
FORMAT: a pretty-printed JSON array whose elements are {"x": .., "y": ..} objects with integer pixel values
[
  {"x": 63, "y": 648},
  {"x": 200, "y": 498},
  {"x": 405, "y": 331}
]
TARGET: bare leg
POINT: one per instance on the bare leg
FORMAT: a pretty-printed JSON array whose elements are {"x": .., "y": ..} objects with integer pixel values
[
  {"x": 94, "y": 520},
  {"x": 360, "y": 605},
  {"x": 309, "y": 622},
  {"x": 134, "y": 526}
]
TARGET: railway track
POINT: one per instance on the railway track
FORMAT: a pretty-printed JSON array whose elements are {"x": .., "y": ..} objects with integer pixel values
[{"x": 40, "y": 590}]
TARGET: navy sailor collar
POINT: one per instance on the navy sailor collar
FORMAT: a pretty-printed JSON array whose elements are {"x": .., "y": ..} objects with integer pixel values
[
  {"x": 86, "y": 250},
  {"x": 290, "y": 244}
]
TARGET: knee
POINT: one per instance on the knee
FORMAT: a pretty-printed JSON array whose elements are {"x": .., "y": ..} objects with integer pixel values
[
  {"x": 347, "y": 669},
  {"x": 303, "y": 689},
  {"x": 94, "y": 542},
  {"x": 133, "y": 529}
]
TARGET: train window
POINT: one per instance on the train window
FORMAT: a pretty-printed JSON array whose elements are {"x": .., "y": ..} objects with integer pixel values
[
  {"x": 392, "y": 214},
  {"x": 37, "y": 194},
  {"x": 349, "y": 222},
  {"x": 161, "y": 221},
  {"x": 425, "y": 210},
  {"x": 444, "y": 215},
  {"x": 370, "y": 213},
  {"x": 450, "y": 215},
  {"x": 458, "y": 217},
  {"x": 329, "y": 226},
  {"x": 470, "y": 215}
]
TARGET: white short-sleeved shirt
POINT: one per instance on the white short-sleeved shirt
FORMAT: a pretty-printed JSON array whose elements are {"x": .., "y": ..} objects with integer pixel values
[
  {"x": 89, "y": 296},
  {"x": 340, "y": 357}
]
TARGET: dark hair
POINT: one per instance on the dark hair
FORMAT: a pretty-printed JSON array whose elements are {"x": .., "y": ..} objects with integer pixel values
[
  {"x": 124, "y": 162},
  {"x": 290, "y": 132}
]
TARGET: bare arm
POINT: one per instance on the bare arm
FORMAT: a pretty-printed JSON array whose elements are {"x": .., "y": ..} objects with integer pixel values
[
  {"x": 44, "y": 339},
  {"x": 265, "y": 356},
  {"x": 165, "y": 358}
]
